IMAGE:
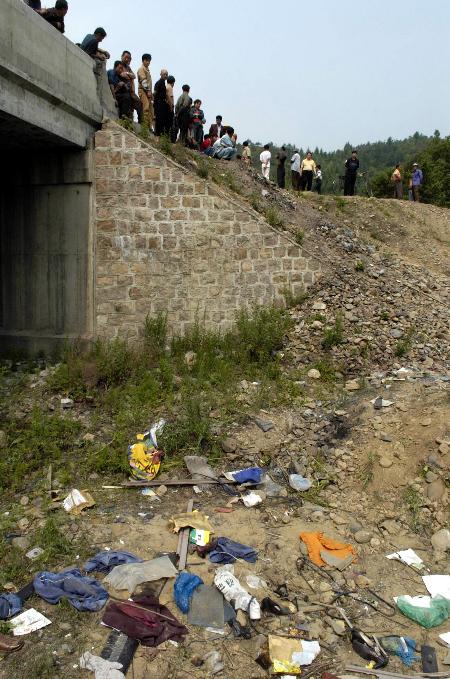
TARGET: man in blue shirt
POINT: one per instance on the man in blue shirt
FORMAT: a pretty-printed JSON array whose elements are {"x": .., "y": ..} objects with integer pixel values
[
  {"x": 417, "y": 181},
  {"x": 90, "y": 45},
  {"x": 120, "y": 89}
]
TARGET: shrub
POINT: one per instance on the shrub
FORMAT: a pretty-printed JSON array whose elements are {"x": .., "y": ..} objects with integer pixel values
[
  {"x": 334, "y": 335},
  {"x": 273, "y": 217},
  {"x": 261, "y": 332}
]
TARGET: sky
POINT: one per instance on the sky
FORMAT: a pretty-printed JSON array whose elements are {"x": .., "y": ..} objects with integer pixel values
[{"x": 308, "y": 73}]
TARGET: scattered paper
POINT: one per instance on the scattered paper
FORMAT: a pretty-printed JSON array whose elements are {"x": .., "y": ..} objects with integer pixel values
[
  {"x": 28, "y": 621},
  {"x": 251, "y": 499},
  {"x": 381, "y": 402},
  {"x": 310, "y": 650},
  {"x": 445, "y": 637},
  {"x": 76, "y": 501},
  {"x": 437, "y": 585},
  {"x": 409, "y": 557}
]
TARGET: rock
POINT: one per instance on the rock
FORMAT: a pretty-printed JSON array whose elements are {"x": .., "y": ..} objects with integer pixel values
[
  {"x": 426, "y": 422},
  {"x": 319, "y": 306},
  {"x": 428, "y": 363},
  {"x": 23, "y": 524},
  {"x": 339, "y": 520},
  {"x": 317, "y": 325},
  {"x": 362, "y": 581},
  {"x": 65, "y": 649},
  {"x": 396, "y": 333},
  {"x": 89, "y": 437},
  {"x": 161, "y": 490},
  {"x": 325, "y": 586},
  {"x": 386, "y": 437},
  {"x": 362, "y": 536},
  {"x": 339, "y": 626},
  {"x": 385, "y": 462},
  {"x": 229, "y": 445},
  {"x": 314, "y": 374},
  {"x": 443, "y": 448},
  {"x": 20, "y": 543},
  {"x": 441, "y": 540},
  {"x": 264, "y": 425},
  {"x": 24, "y": 500},
  {"x": 65, "y": 627},
  {"x": 430, "y": 477},
  {"x": 352, "y": 385},
  {"x": 334, "y": 562},
  {"x": 190, "y": 358},
  {"x": 3, "y": 439},
  {"x": 435, "y": 490},
  {"x": 66, "y": 403}
]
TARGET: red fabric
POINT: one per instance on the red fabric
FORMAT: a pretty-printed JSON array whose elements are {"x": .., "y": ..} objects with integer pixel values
[
  {"x": 144, "y": 625},
  {"x": 206, "y": 143}
]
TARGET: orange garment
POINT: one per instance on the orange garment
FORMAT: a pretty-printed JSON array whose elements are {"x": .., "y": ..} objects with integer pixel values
[{"x": 319, "y": 542}]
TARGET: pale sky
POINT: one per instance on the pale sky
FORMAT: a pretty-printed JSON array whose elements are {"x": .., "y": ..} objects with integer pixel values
[{"x": 317, "y": 73}]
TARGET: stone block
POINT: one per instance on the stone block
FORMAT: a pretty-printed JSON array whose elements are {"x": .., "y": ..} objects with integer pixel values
[
  {"x": 152, "y": 173},
  {"x": 134, "y": 172}
]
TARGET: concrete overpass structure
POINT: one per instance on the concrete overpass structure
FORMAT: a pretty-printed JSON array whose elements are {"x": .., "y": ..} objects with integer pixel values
[{"x": 51, "y": 104}]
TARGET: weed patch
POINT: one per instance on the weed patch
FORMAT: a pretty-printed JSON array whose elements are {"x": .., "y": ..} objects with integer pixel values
[
  {"x": 335, "y": 334},
  {"x": 273, "y": 217},
  {"x": 404, "y": 345}
]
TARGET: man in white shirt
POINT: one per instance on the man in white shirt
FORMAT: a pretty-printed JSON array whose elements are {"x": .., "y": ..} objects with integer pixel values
[
  {"x": 265, "y": 157},
  {"x": 295, "y": 171}
]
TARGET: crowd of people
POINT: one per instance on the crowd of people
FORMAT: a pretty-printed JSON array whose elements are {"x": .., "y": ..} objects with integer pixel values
[{"x": 184, "y": 120}]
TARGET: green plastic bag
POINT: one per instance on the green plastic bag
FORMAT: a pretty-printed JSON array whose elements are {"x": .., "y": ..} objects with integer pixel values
[{"x": 434, "y": 614}]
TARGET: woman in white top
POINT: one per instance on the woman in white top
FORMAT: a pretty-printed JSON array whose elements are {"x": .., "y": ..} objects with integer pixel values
[{"x": 265, "y": 157}]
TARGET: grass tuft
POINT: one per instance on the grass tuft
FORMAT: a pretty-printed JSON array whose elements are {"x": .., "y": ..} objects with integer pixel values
[{"x": 335, "y": 334}]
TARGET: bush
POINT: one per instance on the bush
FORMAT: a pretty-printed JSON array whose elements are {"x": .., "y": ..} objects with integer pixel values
[
  {"x": 261, "y": 332},
  {"x": 273, "y": 217},
  {"x": 334, "y": 335}
]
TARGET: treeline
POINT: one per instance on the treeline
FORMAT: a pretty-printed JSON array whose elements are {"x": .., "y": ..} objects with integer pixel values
[{"x": 377, "y": 161}]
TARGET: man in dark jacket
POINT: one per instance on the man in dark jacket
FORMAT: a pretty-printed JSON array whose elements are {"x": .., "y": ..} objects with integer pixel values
[
  {"x": 55, "y": 15},
  {"x": 217, "y": 130},
  {"x": 281, "y": 170},
  {"x": 351, "y": 170}
]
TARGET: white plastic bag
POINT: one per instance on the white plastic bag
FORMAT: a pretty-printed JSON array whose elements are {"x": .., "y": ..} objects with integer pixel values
[{"x": 232, "y": 590}]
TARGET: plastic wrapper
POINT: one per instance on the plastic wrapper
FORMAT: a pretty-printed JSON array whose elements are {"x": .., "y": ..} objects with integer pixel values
[
  {"x": 227, "y": 583},
  {"x": 128, "y": 576},
  {"x": 185, "y": 585},
  {"x": 428, "y": 612}
]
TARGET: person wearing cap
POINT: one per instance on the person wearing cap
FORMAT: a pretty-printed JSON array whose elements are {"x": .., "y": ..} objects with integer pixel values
[
  {"x": 351, "y": 170},
  {"x": 416, "y": 182}
]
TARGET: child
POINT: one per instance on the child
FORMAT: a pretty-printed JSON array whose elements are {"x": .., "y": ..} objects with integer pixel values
[
  {"x": 206, "y": 143},
  {"x": 264, "y": 158},
  {"x": 318, "y": 182},
  {"x": 246, "y": 154}
]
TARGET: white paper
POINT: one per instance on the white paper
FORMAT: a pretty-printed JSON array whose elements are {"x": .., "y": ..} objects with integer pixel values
[
  {"x": 310, "y": 650},
  {"x": 445, "y": 637},
  {"x": 384, "y": 403},
  {"x": 437, "y": 585},
  {"x": 74, "y": 499},
  {"x": 251, "y": 499},
  {"x": 407, "y": 556},
  {"x": 28, "y": 621}
]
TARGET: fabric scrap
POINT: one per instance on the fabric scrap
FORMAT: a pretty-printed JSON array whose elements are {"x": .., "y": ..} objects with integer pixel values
[
  {"x": 10, "y": 604},
  {"x": 190, "y": 519},
  {"x": 105, "y": 561},
  {"x": 249, "y": 475},
  {"x": 129, "y": 575},
  {"x": 145, "y": 620},
  {"x": 403, "y": 647},
  {"x": 183, "y": 589},
  {"x": 82, "y": 592},
  {"x": 104, "y": 669},
  {"x": 316, "y": 542},
  {"x": 228, "y": 551}
]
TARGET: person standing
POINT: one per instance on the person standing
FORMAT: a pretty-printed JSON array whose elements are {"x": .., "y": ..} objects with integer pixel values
[
  {"x": 145, "y": 90},
  {"x": 160, "y": 104},
  {"x": 318, "y": 180},
  {"x": 416, "y": 182},
  {"x": 397, "y": 181},
  {"x": 265, "y": 157},
  {"x": 307, "y": 168},
  {"x": 198, "y": 120},
  {"x": 295, "y": 171},
  {"x": 183, "y": 112},
  {"x": 351, "y": 170},
  {"x": 128, "y": 73},
  {"x": 246, "y": 154},
  {"x": 170, "y": 123},
  {"x": 281, "y": 170}
]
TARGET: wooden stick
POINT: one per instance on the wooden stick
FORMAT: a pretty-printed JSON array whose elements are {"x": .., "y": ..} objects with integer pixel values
[
  {"x": 183, "y": 541},
  {"x": 180, "y": 482},
  {"x": 392, "y": 675}
]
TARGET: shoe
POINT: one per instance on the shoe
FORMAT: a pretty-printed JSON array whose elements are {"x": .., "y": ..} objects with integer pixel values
[{"x": 9, "y": 644}]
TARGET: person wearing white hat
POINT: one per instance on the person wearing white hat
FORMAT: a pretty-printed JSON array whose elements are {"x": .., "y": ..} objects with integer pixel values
[{"x": 416, "y": 182}]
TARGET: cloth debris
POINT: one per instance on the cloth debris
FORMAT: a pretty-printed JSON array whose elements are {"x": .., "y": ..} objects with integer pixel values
[
  {"x": 408, "y": 557},
  {"x": 10, "y": 604},
  {"x": 28, "y": 621},
  {"x": 190, "y": 519},
  {"x": 437, "y": 585},
  {"x": 249, "y": 475},
  {"x": 82, "y": 592},
  {"x": 185, "y": 585},
  {"x": 403, "y": 647},
  {"x": 104, "y": 669},
  {"x": 129, "y": 575},
  {"x": 76, "y": 501},
  {"x": 228, "y": 551},
  {"x": 317, "y": 542},
  {"x": 144, "y": 619},
  {"x": 105, "y": 561}
]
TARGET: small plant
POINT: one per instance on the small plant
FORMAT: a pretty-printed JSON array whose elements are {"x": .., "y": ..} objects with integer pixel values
[
  {"x": 413, "y": 501},
  {"x": 339, "y": 202},
  {"x": 155, "y": 335},
  {"x": 166, "y": 146},
  {"x": 403, "y": 346},
  {"x": 299, "y": 237},
  {"x": 273, "y": 217},
  {"x": 334, "y": 335},
  {"x": 189, "y": 434},
  {"x": 384, "y": 315},
  {"x": 261, "y": 332},
  {"x": 360, "y": 266},
  {"x": 202, "y": 168},
  {"x": 127, "y": 124},
  {"x": 326, "y": 369},
  {"x": 367, "y": 471},
  {"x": 144, "y": 132},
  {"x": 255, "y": 202},
  {"x": 318, "y": 317},
  {"x": 293, "y": 300}
]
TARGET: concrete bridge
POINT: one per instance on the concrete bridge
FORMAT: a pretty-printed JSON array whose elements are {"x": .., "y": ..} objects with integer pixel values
[{"x": 51, "y": 104}]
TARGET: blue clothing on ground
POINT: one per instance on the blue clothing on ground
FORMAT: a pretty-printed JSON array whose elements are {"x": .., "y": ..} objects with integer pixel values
[
  {"x": 184, "y": 586},
  {"x": 228, "y": 551},
  {"x": 417, "y": 177},
  {"x": 253, "y": 474},
  {"x": 10, "y": 604},
  {"x": 84, "y": 593},
  {"x": 105, "y": 561}
]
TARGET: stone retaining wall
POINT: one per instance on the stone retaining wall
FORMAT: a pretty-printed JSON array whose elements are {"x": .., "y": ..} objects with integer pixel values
[{"x": 167, "y": 240}]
